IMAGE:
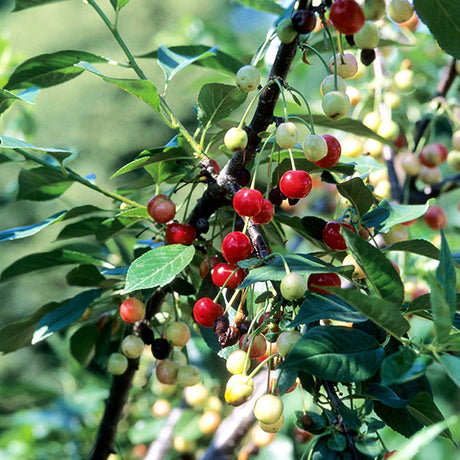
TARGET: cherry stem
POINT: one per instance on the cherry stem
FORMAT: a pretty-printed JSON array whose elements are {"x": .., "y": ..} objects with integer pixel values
[
  {"x": 257, "y": 369},
  {"x": 292, "y": 160},
  {"x": 259, "y": 156},
  {"x": 261, "y": 50},
  {"x": 312, "y": 128},
  {"x": 225, "y": 284},
  {"x": 320, "y": 57},
  {"x": 253, "y": 101},
  {"x": 331, "y": 41},
  {"x": 283, "y": 98},
  {"x": 286, "y": 266}
]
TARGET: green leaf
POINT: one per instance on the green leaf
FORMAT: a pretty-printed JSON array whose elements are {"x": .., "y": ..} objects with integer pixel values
[
  {"x": 41, "y": 184},
  {"x": 171, "y": 63},
  {"x": 451, "y": 365},
  {"x": 219, "y": 61},
  {"x": 336, "y": 353},
  {"x": 19, "y": 334},
  {"x": 67, "y": 313},
  {"x": 337, "y": 443},
  {"x": 41, "y": 260},
  {"x": 355, "y": 191},
  {"x": 316, "y": 307},
  {"x": 379, "y": 271},
  {"x": 420, "y": 247},
  {"x": 81, "y": 228},
  {"x": 402, "y": 366},
  {"x": 400, "y": 213},
  {"x": 269, "y": 6},
  {"x": 309, "y": 227},
  {"x": 445, "y": 273},
  {"x": 84, "y": 275},
  {"x": 29, "y": 230},
  {"x": 50, "y": 69},
  {"x": 119, "y": 4},
  {"x": 383, "y": 313},
  {"x": 23, "y": 4},
  {"x": 441, "y": 17},
  {"x": 145, "y": 90},
  {"x": 7, "y": 98},
  {"x": 158, "y": 267},
  {"x": 368, "y": 446},
  {"x": 83, "y": 343},
  {"x": 442, "y": 313},
  {"x": 216, "y": 101}
]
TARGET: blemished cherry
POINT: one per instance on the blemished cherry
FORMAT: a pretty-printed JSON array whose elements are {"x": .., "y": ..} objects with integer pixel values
[
  {"x": 239, "y": 389},
  {"x": 207, "y": 263},
  {"x": 266, "y": 215},
  {"x": 166, "y": 372},
  {"x": 334, "y": 151},
  {"x": 304, "y": 21},
  {"x": 336, "y": 105},
  {"x": 347, "y": 16},
  {"x": 247, "y": 78},
  {"x": 206, "y": 311},
  {"x": 117, "y": 364},
  {"x": 161, "y": 348},
  {"x": 435, "y": 217},
  {"x": 243, "y": 177},
  {"x": 132, "y": 346},
  {"x": 222, "y": 274},
  {"x": 177, "y": 233},
  {"x": 247, "y": 202},
  {"x": 332, "y": 237},
  {"x": 295, "y": 184},
  {"x": 161, "y": 209},
  {"x": 236, "y": 139},
  {"x": 132, "y": 310},
  {"x": 177, "y": 334},
  {"x": 433, "y": 154},
  {"x": 323, "y": 279},
  {"x": 236, "y": 246}
]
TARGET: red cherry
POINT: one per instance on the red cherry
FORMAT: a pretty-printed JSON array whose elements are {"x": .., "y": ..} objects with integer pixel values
[
  {"x": 295, "y": 184},
  {"x": 334, "y": 151},
  {"x": 132, "y": 310},
  {"x": 433, "y": 155},
  {"x": 435, "y": 217},
  {"x": 180, "y": 233},
  {"x": 221, "y": 273},
  {"x": 258, "y": 347},
  {"x": 323, "y": 279},
  {"x": 266, "y": 215},
  {"x": 347, "y": 16},
  {"x": 332, "y": 237},
  {"x": 236, "y": 246},
  {"x": 161, "y": 209},
  {"x": 206, "y": 311},
  {"x": 205, "y": 264},
  {"x": 247, "y": 202}
]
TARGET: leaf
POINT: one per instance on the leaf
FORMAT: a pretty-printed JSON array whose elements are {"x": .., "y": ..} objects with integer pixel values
[
  {"x": 29, "y": 230},
  {"x": 445, "y": 273},
  {"x": 23, "y": 4},
  {"x": 368, "y": 446},
  {"x": 451, "y": 365},
  {"x": 19, "y": 334},
  {"x": 336, "y": 353},
  {"x": 50, "y": 69},
  {"x": 84, "y": 227},
  {"x": 119, "y": 4},
  {"x": 403, "y": 366},
  {"x": 145, "y": 90},
  {"x": 216, "y": 101},
  {"x": 442, "y": 312},
  {"x": 309, "y": 227},
  {"x": 387, "y": 396},
  {"x": 218, "y": 61},
  {"x": 379, "y": 271},
  {"x": 317, "y": 307},
  {"x": 158, "y": 267},
  {"x": 7, "y": 98},
  {"x": 84, "y": 275},
  {"x": 441, "y": 17},
  {"x": 420, "y": 247},
  {"x": 41, "y": 260},
  {"x": 41, "y": 184},
  {"x": 400, "y": 213},
  {"x": 357, "y": 193},
  {"x": 67, "y": 313},
  {"x": 171, "y": 63},
  {"x": 83, "y": 343},
  {"x": 269, "y": 6}
]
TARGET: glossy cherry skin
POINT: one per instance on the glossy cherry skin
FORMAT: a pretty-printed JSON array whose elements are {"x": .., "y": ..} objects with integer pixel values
[
  {"x": 248, "y": 202},
  {"x": 205, "y": 264},
  {"x": 295, "y": 184},
  {"x": 266, "y": 215},
  {"x": 177, "y": 233},
  {"x": 206, "y": 311},
  {"x": 323, "y": 279},
  {"x": 258, "y": 347},
  {"x": 334, "y": 150},
  {"x": 236, "y": 246},
  {"x": 435, "y": 217},
  {"x": 304, "y": 21},
  {"x": 132, "y": 310},
  {"x": 347, "y": 16},
  {"x": 222, "y": 272},
  {"x": 433, "y": 155},
  {"x": 161, "y": 209},
  {"x": 332, "y": 237}
]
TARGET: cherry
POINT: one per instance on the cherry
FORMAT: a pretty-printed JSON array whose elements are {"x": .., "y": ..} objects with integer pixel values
[
  {"x": 272, "y": 427},
  {"x": 268, "y": 408},
  {"x": 202, "y": 225},
  {"x": 206, "y": 263},
  {"x": 239, "y": 389},
  {"x": 188, "y": 376},
  {"x": 276, "y": 196},
  {"x": 247, "y": 78},
  {"x": 374, "y": 10},
  {"x": 323, "y": 279},
  {"x": 206, "y": 311},
  {"x": 236, "y": 139},
  {"x": 397, "y": 233},
  {"x": 161, "y": 408},
  {"x": 209, "y": 422},
  {"x": 132, "y": 346},
  {"x": 117, "y": 364},
  {"x": 304, "y": 21},
  {"x": 259, "y": 345},
  {"x": 286, "y": 135},
  {"x": 161, "y": 348},
  {"x": 132, "y": 310},
  {"x": 177, "y": 334},
  {"x": 166, "y": 372},
  {"x": 266, "y": 215},
  {"x": 410, "y": 163},
  {"x": 247, "y": 202},
  {"x": 328, "y": 84},
  {"x": 295, "y": 184},
  {"x": 367, "y": 37},
  {"x": 347, "y": 16},
  {"x": 286, "y": 340},
  {"x": 433, "y": 154},
  {"x": 400, "y": 10},
  {"x": 332, "y": 237},
  {"x": 196, "y": 395},
  {"x": 177, "y": 233},
  {"x": 336, "y": 105},
  {"x": 236, "y": 246},
  {"x": 161, "y": 209},
  {"x": 333, "y": 152},
  {"x": 261, "y": 438},
  {"x": 293, "y": 286},
  {"x": 357, "y": 270},
  {"x": 235, "y": 362},
  {"x": 430, "y": 175},
  {"x": 435, "y": 217},
  {"x": 285, "y": 31},
  {"x": 347, "y": 65},
  {"x": 223, "y": 272},
  {"x": 314, "y": 147},
  {"x": 243, "y": 177}
]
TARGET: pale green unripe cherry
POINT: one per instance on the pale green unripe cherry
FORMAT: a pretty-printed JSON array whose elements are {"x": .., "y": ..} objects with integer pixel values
[
  {"x": 400, "y": 10},
  {"x": 388, "y": 130},
  {"x": 327, "y": 84},
  {"x": 286, "y": 340},
  {"x": 293, "y": 286},
  {"x": 117, "y": 364},
  {"x": 453, "y": 159},
  {"x": 336, "y": 105},
  {"x": 272, "y": 427},
  {"x": 188, "y": 376},
  {"x": 247, "y": 78},
  {"x": 372, "y": 120},
  {"x": 285, "y": 31},
  {"x": 314, "y": 147},
  {"x": 286, "y": 135},
  {"x": 236, "y": 139},
  {"x": 367, "y": 37},
  {"x": 404, "y": 79},
  {"x": 456, "y": 140},
  {"x": 268, "y": 408},
  {"x": 239, "y": 389},
  {"x": 374, "y": 9},
  {"x": 132, "y": 346},
  {"x": 410, "y": 163},
  {"x": 235, "y": 362},
  {"x": 347, "y": 65}
]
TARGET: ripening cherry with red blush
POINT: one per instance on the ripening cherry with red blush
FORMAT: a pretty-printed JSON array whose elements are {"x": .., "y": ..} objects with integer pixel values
[
  {"x": 435, "y": 217},
  {"x": 334, "y": 150},
  {"x": 132, "y": 310},
  {"x": 161, "y": 209}
]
